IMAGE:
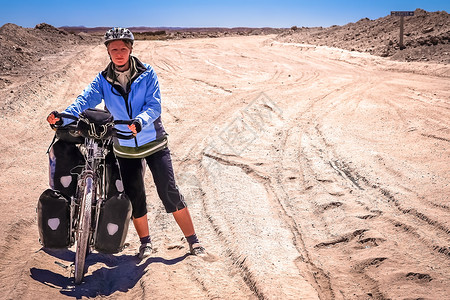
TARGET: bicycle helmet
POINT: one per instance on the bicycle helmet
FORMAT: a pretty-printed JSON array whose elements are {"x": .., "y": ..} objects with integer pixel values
[{"x": 118, "y": 33}]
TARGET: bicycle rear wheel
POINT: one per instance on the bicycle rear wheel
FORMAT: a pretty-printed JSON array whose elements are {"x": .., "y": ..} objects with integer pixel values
[{"x": 84, "y": 228}]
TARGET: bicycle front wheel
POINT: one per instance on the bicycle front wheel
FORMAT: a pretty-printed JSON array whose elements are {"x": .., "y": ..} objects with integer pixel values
[{"x": 84, "y": 228}]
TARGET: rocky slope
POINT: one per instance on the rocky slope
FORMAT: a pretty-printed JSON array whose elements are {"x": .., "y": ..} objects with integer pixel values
[{"x": 426, "y": 36}]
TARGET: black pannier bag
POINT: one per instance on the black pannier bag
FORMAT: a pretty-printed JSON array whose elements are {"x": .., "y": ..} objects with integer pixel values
[
  {"x": 95, "y": 123},
  {"x": 112, "y": 229},
  {"x": 53, "y": 216},
  {"x": 69, "y": 136}
]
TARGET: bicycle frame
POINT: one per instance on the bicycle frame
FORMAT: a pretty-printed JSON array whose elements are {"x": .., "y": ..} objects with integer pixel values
[{"x": 94, "y": 153}]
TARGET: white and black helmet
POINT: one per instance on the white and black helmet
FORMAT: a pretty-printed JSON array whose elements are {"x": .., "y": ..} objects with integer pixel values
[{"x": 118, "y": 33}]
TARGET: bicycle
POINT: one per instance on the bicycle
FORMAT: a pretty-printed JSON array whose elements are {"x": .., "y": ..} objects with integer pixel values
[{"x": 86, "y": 205}]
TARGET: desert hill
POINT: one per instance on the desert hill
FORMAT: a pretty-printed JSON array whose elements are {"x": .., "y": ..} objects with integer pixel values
[
  {"x": 21, "y": 46},
  {"x": 426, "y": 36}
]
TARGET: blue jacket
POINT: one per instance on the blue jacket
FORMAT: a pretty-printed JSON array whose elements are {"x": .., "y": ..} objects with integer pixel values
[{"x": 142, "y": 101}]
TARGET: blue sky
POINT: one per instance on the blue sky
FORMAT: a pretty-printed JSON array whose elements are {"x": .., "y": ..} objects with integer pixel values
[{"x": 199, "y": 13}]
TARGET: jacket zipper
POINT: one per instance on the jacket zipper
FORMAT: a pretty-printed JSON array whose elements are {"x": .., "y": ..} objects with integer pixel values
[{"x": 130, "y": 113}]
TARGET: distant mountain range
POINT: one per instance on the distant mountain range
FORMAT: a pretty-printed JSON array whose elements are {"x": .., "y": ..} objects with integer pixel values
[{"x": 93, "y": 30}]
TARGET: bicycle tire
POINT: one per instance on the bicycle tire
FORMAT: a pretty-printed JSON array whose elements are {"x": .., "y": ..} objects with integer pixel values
[{"x": 84, "y": 227}]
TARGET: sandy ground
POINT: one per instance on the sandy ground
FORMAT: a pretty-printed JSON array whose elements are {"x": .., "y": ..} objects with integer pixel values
[{"x": 310, "y": 172}]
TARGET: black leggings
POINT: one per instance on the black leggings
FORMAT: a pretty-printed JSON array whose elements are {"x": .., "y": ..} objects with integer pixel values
[{"x": 160, "y": 164}]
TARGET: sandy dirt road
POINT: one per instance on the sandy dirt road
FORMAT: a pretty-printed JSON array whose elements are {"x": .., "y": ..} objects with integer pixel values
[{"x": 310, "y": 172}]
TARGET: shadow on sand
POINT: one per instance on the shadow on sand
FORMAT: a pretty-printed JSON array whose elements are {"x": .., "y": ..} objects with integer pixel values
[{"x": 121, "y": 273}]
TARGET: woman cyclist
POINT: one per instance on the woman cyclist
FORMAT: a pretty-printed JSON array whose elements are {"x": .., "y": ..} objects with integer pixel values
[{"x": 130, "y": 90}]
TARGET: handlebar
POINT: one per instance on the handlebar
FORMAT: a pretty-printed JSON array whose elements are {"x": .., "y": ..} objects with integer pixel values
[
  {"x": 67, "y": 116},
  {"x": 116, "y": 132}
]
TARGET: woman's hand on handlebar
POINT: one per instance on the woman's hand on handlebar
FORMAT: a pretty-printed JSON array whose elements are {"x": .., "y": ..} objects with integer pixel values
[
  {"x": 135, "y": 127},
  {"x": 53, "y": 120}
]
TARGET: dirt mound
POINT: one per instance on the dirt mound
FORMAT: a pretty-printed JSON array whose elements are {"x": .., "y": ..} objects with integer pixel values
[
  {"x": 20, "y": 47},
  {"x": 426, "y": 36}
]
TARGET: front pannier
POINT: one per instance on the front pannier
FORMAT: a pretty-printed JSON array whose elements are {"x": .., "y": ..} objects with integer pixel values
[
  {"x": 53, "y": 216},
  {"x": 112, "y": 230}
]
